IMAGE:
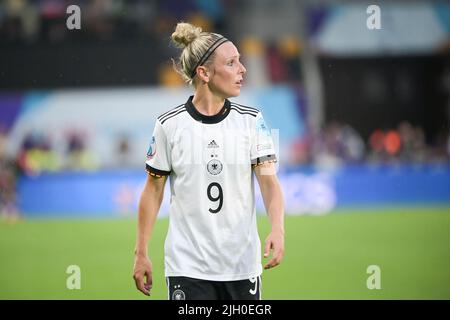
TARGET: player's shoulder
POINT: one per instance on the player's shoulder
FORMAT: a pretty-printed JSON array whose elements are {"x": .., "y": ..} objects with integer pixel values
[
  {"x": 240, "y": 109},
  {"x": 172, "y": 113}
]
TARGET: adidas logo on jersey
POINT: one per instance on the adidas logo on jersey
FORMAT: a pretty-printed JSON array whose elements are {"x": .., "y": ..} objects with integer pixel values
[{"x": 213, "y": 144}]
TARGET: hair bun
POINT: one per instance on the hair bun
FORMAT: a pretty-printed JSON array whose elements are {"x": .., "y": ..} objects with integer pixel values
[{"x": 185, "y": 33}]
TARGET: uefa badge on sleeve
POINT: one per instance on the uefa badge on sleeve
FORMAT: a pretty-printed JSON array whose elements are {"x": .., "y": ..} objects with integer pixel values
[
  {"x": 262, "y": 127},
  {"x": 151, "y": 149}
]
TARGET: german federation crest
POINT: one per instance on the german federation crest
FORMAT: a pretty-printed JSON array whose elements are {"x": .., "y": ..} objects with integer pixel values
[
  {"x": 214, "y": 167},
  {"x": 178, "y": 295}
]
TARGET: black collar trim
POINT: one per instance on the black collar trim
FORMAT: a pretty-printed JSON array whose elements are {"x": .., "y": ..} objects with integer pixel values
[{"x": 222, "y": 114}]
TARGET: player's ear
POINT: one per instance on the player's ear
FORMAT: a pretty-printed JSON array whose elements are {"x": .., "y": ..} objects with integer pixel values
[{"x": 203, "y": 74}]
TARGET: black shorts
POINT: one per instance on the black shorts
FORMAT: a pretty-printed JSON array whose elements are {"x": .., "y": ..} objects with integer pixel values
[{"x": 183, "y": 288}]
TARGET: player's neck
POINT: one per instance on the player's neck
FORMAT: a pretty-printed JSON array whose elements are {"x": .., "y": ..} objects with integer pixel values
[{"x": 207, "y": 104}]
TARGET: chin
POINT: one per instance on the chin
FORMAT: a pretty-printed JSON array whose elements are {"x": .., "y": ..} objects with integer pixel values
[
  {"x": 230, "y": 94},
  {"x": 235, "y": 93}
]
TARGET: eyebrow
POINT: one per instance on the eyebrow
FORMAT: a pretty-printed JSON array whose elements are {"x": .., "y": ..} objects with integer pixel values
[{"x": 232, "y": 57}]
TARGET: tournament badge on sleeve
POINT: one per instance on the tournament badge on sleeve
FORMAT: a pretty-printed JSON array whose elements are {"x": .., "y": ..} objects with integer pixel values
[
  {"x": 151, "y": 149},
  {"x": 262, "y": 127}
]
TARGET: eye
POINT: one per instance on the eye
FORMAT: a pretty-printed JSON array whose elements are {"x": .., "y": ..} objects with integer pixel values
[{"x": 230, "y": 63}]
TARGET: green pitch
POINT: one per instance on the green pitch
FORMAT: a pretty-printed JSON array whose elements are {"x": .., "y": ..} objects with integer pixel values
[{"x": 326, "y": 257}]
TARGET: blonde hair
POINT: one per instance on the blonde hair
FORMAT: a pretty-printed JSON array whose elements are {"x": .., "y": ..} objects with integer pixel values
[{"x": 195, "y": 44}]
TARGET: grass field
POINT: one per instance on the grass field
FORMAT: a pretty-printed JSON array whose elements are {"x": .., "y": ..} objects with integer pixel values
[{"x": 326, "y": 257}]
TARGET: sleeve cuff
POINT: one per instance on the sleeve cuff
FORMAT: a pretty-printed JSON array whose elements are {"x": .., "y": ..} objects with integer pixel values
[
  {"x": 155, "y": 172},
  {"x": 263, "y": 159}
]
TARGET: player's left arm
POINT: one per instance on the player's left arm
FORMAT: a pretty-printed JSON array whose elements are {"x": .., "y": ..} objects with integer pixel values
[{"x": 273, "y": 201}]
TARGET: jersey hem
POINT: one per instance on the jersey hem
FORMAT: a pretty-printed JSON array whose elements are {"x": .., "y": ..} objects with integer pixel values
[{"x": 215, "y": 277}]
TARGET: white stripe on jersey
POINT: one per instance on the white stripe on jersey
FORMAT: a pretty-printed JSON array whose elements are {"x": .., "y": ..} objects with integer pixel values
[
  {"x": 244, "y": 107},
  {"x": 170, "y": 112},
  {"x": 173, "y": 115}
]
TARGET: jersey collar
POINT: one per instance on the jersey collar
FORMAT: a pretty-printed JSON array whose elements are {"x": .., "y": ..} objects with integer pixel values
[{"x": 222, "y": 114}]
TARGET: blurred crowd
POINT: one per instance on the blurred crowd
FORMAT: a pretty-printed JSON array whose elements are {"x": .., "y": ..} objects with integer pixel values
[
  {"x": 335, "y": 145},
  {"x": 339, "y": 144},
  {"x": 34, "y": 21},
  {"x": 43, "y": 22},
  {"x": 41, "y": 153},
  {"x": 38, "y": 153}
]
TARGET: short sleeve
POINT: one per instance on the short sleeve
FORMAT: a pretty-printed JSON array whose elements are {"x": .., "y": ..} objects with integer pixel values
[
  {"x": 158, "y": 155},
  {"x": 262, "y": 148}
]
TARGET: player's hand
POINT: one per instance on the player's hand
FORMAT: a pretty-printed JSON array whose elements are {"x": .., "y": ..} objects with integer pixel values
[
  {"x": 274, "y": 242},
  {"x": 142, "y": 274}
]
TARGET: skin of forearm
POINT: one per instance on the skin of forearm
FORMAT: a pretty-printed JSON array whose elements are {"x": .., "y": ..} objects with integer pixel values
[
  {"x": 273, "y": 201},
  {"x": 149, "y": 205}
]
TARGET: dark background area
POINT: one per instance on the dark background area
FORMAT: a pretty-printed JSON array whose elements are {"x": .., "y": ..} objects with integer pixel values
[{"x": 380, "y": 92}]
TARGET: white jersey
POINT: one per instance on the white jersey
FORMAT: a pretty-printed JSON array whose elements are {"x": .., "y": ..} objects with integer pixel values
[{"x": 212, "y": 217}]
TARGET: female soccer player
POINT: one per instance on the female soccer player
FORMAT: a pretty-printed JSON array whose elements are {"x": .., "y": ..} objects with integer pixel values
[{"x": 210, "y": 147}]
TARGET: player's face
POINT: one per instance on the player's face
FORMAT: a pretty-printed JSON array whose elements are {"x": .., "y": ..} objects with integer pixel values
[{"x": 227, "y": 72}]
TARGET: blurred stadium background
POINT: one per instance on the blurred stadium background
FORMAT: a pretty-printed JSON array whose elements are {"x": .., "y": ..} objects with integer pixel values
[{"x": 361, "y": 120}]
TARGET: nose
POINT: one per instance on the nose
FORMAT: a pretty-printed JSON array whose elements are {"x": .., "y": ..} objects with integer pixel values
[{"x": 242, "y": 69}]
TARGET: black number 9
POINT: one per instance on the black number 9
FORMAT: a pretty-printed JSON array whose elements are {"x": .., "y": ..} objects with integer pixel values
[{"x": 219, "y": 197}]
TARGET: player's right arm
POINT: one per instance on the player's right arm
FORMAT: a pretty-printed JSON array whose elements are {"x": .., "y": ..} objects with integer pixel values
[{"x": 149, "y": 205}]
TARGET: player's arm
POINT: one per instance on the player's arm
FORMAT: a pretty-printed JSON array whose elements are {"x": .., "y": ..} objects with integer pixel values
[
  {"x": 273, "y": 201},
  {"x": 149, "y": 205}
]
